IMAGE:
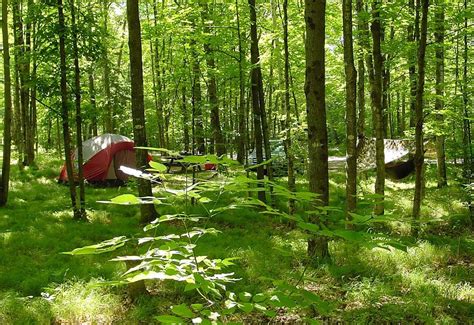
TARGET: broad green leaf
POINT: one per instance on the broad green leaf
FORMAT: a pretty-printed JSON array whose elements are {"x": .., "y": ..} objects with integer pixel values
[
  {"x": 246, "y": 307},
  {"x": 126, "y": 199},
  {"x": 259, "y": 297},
  {"x": 103, "y": 247},
  {"x": 245, "y": 296},
  {"x": 157, "y": 166},
  {"x": 183, "y": 311}
]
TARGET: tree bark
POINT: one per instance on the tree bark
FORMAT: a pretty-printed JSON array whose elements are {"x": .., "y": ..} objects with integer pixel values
[
  {"x": 218, "y": 139},
  {"x": 439, "y": 103},
  {"x": 288, "y": 140},
  {"x": 7, "y": 115},
  {"x": 315, "y": 92},
  {"x": 77, "y": 95},
  {"x": 148, "y": 212},
  {"x": 376, "y": 95},
  {"x": 242, "y": 131},
  {"x": 360, "y": 73},
  {"x": 64, "y": 111},
  {"x": 258, "y": 119},
  {"x": 108, "y": 121},
  {"x": 351, "y": 99},
  {"x": 419, "y": 154}
]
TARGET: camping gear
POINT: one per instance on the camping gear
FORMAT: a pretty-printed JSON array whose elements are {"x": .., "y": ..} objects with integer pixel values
[
  {"x": 103, "y": 156},
  {"x": 399, "y": 161}
]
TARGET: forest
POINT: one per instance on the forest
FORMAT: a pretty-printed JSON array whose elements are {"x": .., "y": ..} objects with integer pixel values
[{"x": 236, "y": 162}]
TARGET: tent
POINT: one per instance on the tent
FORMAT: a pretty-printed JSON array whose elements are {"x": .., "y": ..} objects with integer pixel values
[
  {"x": 399, "y": 153},
  {"x": 103, "y": 156}
]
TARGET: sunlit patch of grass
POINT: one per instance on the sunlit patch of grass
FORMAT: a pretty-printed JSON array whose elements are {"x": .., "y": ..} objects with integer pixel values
[{"x": 85, "y": 302}]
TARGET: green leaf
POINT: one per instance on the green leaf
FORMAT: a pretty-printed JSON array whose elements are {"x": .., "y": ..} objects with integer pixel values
[
  {"x": 245, "y": 296},
  {"x": 197, "y": 307},
  {"x": 157, "y": 166},
  {"x": 259, "y": 297},
  {"x": 183, "y": 311},
  {"x": 170, "y": 319},
  {"x": 103, "y": 247},
  {"x": 308, "y": 226},
  {"x": 246, "y": 307},
  {"x": 125, "y": 199}
]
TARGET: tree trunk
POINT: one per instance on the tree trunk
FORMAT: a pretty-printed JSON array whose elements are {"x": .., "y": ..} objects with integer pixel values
[
  {"x": 217, "y": 137},
  {"x": 108, "y": 121},
  {"x": 184, "y": 112},
  {"x": 376, "y": 95},
  {"x": 148, "y": 212},
  {"x": 65, "y": 113},
  {"x": 289, "y": 150},
  {"x": 439, "y": 103},
  {"x": 315, "y": 92},
  {"x": 419, "y": 154},
  {"x": 256, "y": 100},
  {"x": 7, "y": 116},
  {"x": 157, "y": 77},
  {"x": 413, "y": 36},
  {"x": 93, "y": 103},
  {"x": 351, "y": 98},
  {"x": 242, "y": 134},
  {"x": 198, "y": 126},
  {"x": 360, "y": 73},
  {"x": 77, "y": 95}
]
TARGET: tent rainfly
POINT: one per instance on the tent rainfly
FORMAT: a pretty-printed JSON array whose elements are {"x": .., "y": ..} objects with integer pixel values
[{"x": 103, "y": 156}]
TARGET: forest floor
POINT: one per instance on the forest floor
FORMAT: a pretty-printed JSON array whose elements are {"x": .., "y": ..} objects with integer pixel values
[{"x": 432, "y": 282}]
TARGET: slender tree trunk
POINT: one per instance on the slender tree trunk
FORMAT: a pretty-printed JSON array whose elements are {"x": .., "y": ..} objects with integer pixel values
[
  {"x": 198, "y": 126},
  {"x": 242, "y": 134},
  {"x": 77, "y": 95},
  {"x": 315, "y": 92},
  {"x": 184, "y": 112},
  {"x": 148, "y": 212},
  {"x": 93, "y": 102},
  {"x": 256, "y": 102},
  {"x": 217, "y": 137},
  {"x": 413, "y": 36},
  {"x": 108, "y": 121},
  {"x": 7, "y": 115},
  {"x": 360, "y": 73},
  {"x": 419, "y": 154},
  {"x": 289, "y": 150},
  {"x": 467, "y": 139},
  {"x": 439, "y": 103},
  {"x": 376, "y": 94},
  {"x": 64, "y": 111},
  {"x": 158, "y": 78},
  {"x": 351, "y": 99}
]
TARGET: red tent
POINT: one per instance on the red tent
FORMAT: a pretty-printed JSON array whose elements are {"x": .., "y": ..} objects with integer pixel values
[{"x": 103, "y": 156}]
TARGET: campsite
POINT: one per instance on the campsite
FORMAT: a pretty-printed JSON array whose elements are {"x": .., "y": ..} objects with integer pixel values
[{"x": 243, "y": 162}]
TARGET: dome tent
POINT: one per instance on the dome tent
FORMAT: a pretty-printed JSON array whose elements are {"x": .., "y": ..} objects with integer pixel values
[{"x": 103, "y": 156}]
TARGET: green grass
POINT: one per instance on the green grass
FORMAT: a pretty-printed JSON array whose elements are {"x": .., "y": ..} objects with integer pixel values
[{"x": 431, "y": 283}]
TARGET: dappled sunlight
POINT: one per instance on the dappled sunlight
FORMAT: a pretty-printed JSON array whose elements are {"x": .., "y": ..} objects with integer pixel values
[{"x": 85, "y": 302}]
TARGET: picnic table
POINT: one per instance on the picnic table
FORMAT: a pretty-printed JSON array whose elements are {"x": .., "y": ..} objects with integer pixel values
[{"x": 176, "y": 161}]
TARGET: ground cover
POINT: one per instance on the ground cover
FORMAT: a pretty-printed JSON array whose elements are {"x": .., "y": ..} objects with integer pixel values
[{"x": 431, "y": 282}]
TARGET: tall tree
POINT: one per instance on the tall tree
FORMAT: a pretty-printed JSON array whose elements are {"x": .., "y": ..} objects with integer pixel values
[
  {"x": 376, "y": 95},
  {"x": 439, "y": 103},
  {"x": 64, "y": 110},
  {"x": 419, "y": 153},
  {"x": 315, "y": 91},
  {"x": 258, "y": 117},
  {"x": 288, "y": 144},
  {"x": 7, "y": 116},
  {"x": 242, "y": 131},
  {"x": 148, "y": 212},
  {"x": 108, "y": 116},
  {"x": 360, "y": 71},
  {"x": 351, "y": 76},
  {"x": 198, "y": 121},
  {"x": 77, "y": 95},
  {"x": 217, "y": 137}
]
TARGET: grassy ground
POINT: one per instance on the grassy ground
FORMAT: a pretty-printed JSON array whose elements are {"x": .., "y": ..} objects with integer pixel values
[{"x": 431, "y": 283}]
